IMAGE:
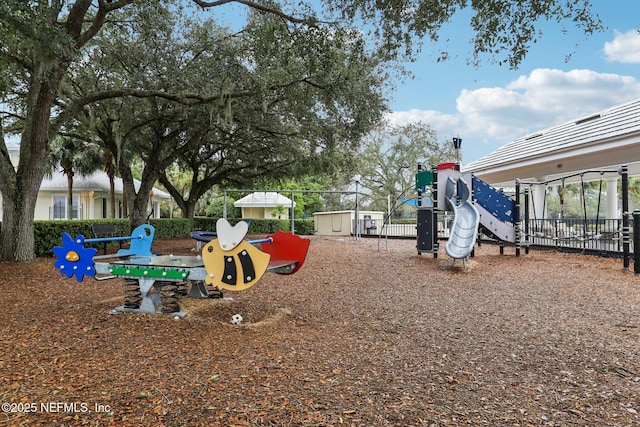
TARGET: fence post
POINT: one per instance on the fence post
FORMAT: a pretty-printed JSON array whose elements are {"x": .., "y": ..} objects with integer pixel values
[
  {"x": 293, "y": 212},
  {"x": 224, "y": 206},
  {"x": 625, "y": 216},
  {"x": 636, "y": 242},
  {"x": 516, "y": 219},
  {"x": 526, "y": 221}
]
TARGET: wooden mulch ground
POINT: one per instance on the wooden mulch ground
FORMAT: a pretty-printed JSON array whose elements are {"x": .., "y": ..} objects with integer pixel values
[{"x": 357, "y": 337}]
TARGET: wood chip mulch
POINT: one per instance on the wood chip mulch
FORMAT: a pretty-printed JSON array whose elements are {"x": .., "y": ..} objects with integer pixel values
[{"x": 358, "y": 337}]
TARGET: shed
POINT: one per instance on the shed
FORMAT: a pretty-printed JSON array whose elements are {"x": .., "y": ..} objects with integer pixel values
[
  {"x": 342, "y": 223},
  {"x": 261, "y": 204}
]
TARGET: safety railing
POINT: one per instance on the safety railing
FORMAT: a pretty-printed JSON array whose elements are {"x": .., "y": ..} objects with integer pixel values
[
  {"x": 603, "y": 235},
  {"x": 593, "y": 236}
]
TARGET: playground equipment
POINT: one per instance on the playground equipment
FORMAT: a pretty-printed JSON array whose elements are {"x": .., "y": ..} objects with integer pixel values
[
  {"x": 500, "y": 215},
  {"x": 153, "y": 282},
  {"x": 464, "y": 230},
  {"x": 475, "y": 204}
]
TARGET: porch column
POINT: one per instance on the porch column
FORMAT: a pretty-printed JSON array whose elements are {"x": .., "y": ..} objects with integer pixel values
[
  {"x": 538, "y": 207},
  {"x": 612, "y": 197}
]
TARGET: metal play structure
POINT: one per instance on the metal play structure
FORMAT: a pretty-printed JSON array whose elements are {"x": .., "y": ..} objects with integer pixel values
[
  {"x": 481, "y": 208},
  {"x": 228, "y": 261}
]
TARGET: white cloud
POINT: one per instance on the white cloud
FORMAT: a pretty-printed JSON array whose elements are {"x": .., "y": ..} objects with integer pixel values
[
  {"x": 543, "y": 98},
  {"x": 624, "y": 48},
  {"x": 435, "y": 119}
]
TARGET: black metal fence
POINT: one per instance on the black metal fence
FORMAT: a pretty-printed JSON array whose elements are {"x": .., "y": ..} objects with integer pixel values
[
  {"x": 599, "y": 237},
  {"x": 604, "y": 235}
]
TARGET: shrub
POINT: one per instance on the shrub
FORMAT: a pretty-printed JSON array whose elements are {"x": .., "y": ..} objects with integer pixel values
[
  {"x": 169, "y": 228},
  {"x": 49, "y": 233},
  {"x": 259, "y": 225}
]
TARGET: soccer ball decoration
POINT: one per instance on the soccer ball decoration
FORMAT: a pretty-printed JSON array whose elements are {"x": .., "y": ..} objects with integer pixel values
[{"x": 236, "y": 319}]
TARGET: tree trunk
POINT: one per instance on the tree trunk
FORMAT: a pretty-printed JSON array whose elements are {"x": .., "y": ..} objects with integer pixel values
[
  {"x": 189, "y": 213},
  {"x": 17, "y": 235},
  {"x": 112, "y": 197},
  {"x": 139, "y": 210},
  {"x": 125, "y": 203},
  {"x": 69, "y": 173},
  {"x": 20, "y": 186},
  {"x": 7, "y": 242},
  {"x": 17, "y": 231},
  {"x": 137, "y": 202},
  {"x": 111, "y": 173},
  {"x": 187, "y": 206},
  {"x": 21, "y": 193}
]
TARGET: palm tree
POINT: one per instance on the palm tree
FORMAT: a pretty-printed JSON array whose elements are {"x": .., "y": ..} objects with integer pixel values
[
  {"x": 73, "y": 155},
  {"x": 278, "y": 211}
]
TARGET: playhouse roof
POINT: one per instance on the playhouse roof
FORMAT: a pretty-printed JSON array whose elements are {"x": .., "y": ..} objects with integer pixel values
[{"x": 264, "y": 199}]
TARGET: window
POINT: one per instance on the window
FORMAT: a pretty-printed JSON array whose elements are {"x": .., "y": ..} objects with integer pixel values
[{"x": 59, "y": 210}]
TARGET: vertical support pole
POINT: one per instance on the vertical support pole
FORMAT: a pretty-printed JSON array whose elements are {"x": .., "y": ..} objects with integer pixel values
[
  {"x": 538, "y": 194},
  {"x": 624, "y": 171},
  {"x": 473, "y": 201},
  {"x": 526, "y": 220},
  {"x": 434, "y": 187},
  {"x": 357, "y": 222},
  {"x": 419, "y": 189},
  {"x": 612, "y": 197},
  {"x": 516, "y": 217},
  {"x": 293, "y": 214},
  {"x": 636, "y": 242},
  {"x": 434, "y": 197},
  {"x": 224, "y": 206}
]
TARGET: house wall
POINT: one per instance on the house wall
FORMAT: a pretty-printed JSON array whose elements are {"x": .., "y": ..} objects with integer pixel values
[
  {"x": 252, "y": 212},
  {"x": 268, "y": 213},
  {"x": 43, "y": 203},
  {"x": 90, "y": 204},
  {"x": 91, "y": 201},
  {"x": 97, "y": 203},
  {"x": 340, "y": 223},
  {"x": 261, "y": 213},
  {"x": 97, "y": 207},
  {"x": 332, "y": 223}
]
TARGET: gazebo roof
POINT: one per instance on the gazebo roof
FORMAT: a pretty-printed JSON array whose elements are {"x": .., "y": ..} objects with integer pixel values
[
  {"x": 604, "y": 140},
  {"x": 264, "y": 199}
]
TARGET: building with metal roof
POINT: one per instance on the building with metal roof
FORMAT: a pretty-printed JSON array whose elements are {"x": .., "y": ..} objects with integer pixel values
[
  {"x": 605, "y": 140},
  {"x": 91, "y": 195}
]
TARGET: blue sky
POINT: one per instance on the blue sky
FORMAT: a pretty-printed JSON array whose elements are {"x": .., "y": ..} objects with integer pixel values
[{"x": 491, "y": 105}]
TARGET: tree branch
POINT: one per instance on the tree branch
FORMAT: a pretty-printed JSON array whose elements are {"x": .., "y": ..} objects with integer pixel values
[{"x": 208, "y": 4}]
